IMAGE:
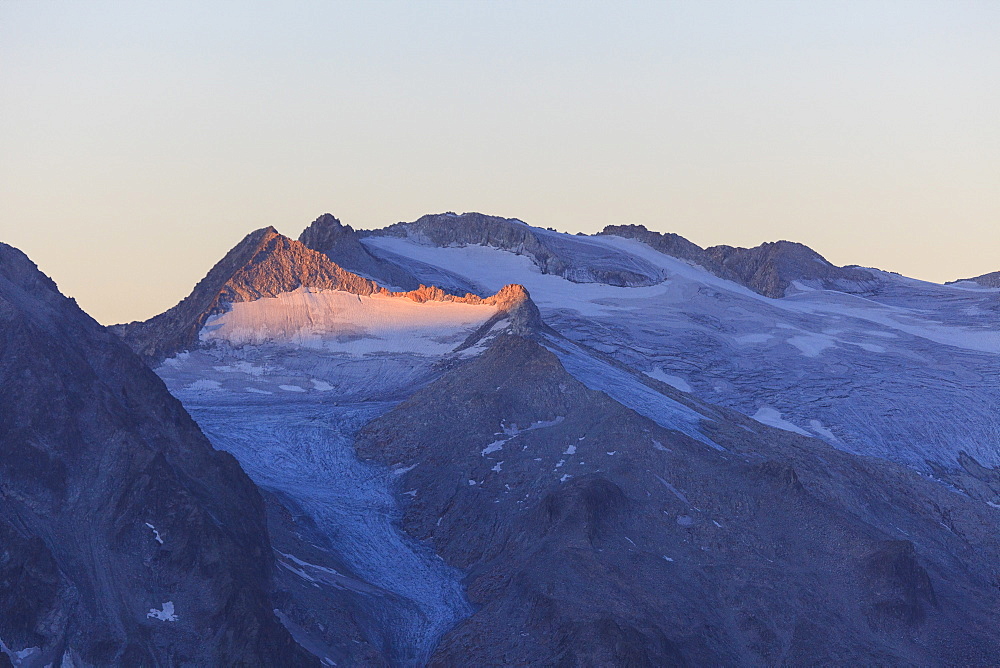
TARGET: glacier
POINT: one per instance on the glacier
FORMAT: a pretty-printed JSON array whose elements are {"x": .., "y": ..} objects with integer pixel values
[{"x": 909, "y": 371}]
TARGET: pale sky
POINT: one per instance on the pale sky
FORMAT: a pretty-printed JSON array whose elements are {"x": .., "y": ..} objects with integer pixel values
[{"x": 139, "y": 141}]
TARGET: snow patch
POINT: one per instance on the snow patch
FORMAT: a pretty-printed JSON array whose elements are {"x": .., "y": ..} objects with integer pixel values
[
  {"x": 338, "y": 321},
  {"x": 772, "y": 418},
  {"x": 156, "y": 534},
  {"x": 674, "y": 381},
  {"x": 164, "y": 615},
  {"x": 204, "y": 385}
]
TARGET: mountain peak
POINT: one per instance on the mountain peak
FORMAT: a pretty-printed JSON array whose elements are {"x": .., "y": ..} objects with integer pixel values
[
  {"x": 771, "y": 267},
  {"x": 990, "y": 280},
  {"x": 324, "y": 232},
  {"x": 264, "y": 264}
]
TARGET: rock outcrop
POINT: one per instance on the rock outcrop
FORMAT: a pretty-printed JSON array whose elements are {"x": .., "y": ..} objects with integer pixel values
[
  {"x": 768, "y": 269},
  {"x": 990, "y": 280},
  {"x": 771, "y": 268},
  {"x": 126, "y": 539},
  {"x": 342, "y": 244},
  {"x": 550, "y": 253}
]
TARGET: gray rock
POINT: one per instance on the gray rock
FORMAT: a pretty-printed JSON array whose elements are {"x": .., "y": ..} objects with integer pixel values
[
  {"x": 792, "y": 552},
  {"x": 126, "y": 539}
]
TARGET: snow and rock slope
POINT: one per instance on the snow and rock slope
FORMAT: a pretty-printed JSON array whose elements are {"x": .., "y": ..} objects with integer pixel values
[
  {"x": 591, "y": 534},
  {"x": 125, "y": 539},
  {"x": 872, "y": 362},
  {"x": 289, "y": 357}
]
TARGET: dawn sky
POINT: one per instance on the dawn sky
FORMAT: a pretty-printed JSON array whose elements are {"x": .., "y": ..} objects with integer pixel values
[{"x": 139, "y": 141}]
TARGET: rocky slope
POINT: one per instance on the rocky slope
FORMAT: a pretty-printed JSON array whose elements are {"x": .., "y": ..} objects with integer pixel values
[
  {"x": 343, "y": 246},
  {"x": 768, "y": 269},
  {"x": 127, "y": 540},
  {"x": 580, "y": 491},
  {"x": 591, "y": 535},
  {"x": 771, "y": 268},
  {"x": 990, "y": 280},
  {"x": 909, "y": 370}
]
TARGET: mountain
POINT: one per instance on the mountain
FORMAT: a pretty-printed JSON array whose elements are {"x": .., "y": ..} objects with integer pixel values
[
  {"x": 611, "y": 449},
  {"x": 591, "y": 534},
  {"x": 288, "y": 356},
  {"x": 126, "y": 538},
  {"x": 885, "y": 366},
  {"x": 342, "y": 245}
]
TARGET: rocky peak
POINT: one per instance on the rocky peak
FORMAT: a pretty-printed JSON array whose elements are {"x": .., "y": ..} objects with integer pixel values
[
  {"x": 551, "y": 252},
  {"x": 990, "y": 280},
  {"x": 771, "y": 267},
  {"x": 326, "y": 232},
  {"x": 342, "y": 244},
  {"x": 264, "y": 264}
]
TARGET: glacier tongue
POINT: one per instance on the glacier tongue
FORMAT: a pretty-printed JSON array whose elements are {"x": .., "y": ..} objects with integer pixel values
[{"x": 305, "y": 450}]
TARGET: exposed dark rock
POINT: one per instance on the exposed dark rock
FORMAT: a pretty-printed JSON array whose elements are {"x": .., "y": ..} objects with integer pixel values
[
  {"x": 900, "y": 587},
  {"x": 768, "y": 269},
  {"x": 990, "y": 280},
  {"x": 670, "y": 244},
  {"x": 126, "y": 539},
  {"x": 342, "y": 245},
  {"x": 771, "y": 267},
  {"x": 597, "y": 537}
]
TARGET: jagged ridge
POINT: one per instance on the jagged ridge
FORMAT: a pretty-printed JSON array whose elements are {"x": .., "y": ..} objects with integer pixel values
[{"x": 266, "y": 264}]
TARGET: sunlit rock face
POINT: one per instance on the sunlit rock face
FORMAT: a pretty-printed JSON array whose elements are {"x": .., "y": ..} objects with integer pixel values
[{"x": 126, "y": 539}]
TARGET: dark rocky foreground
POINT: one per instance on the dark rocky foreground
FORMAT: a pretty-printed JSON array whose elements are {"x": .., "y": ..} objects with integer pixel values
[
  {"x": 126, "y": 539},
  {"x": 605, "y": 539}
]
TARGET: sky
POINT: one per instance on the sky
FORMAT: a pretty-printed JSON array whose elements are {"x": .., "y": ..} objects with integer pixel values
[{"x": 139, "y": 141}]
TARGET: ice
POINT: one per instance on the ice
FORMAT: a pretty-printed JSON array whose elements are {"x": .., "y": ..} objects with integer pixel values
[
  {"x": 772, "y": 417},
  {"x": 302, "y": 449},
  {"x": 495, "y": 446},
  {"x": 291, "y": 388},
  {"x": 863, "y": 361},
  {"x": 204, "y": 385},
  {"x": 627, "y": 389},
  {"x": 512, "y": 431},
  {"x": 669, "y": 379},
  {"x": 164, "y": 615},
  {"x": 812, "y": 345},
  {"x": 676, "y": 492}
]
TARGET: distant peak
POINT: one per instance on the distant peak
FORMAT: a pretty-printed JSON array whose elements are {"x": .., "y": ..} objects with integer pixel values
[
  {"x": 990, "y": 280},
  {"x": 324, "y": 233}
]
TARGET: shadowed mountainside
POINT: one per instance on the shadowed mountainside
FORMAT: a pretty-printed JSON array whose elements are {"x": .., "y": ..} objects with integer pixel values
[
  {"x": 127, "y": 540},
  {"x": 590, "y": 535}
]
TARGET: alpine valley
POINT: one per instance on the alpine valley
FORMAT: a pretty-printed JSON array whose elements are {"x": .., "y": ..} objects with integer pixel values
[{"x": 467, "y": 441}]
